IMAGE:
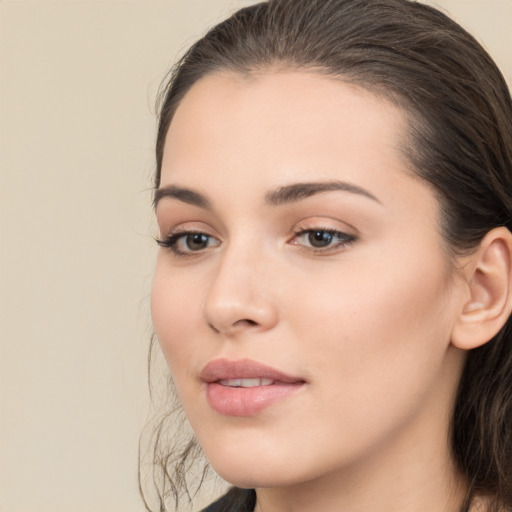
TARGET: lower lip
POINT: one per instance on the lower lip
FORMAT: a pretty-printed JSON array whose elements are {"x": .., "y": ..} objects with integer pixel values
[{"x": 238, "y": 401}]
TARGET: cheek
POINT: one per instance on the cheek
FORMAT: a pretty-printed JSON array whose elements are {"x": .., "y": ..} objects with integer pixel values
[
  {"x": 174, "y": 313},
  {"x": 176, "y": 319},
  {"x": 376, "y": 323}
]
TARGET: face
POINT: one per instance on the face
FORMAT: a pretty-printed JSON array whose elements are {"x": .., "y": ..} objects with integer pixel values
[{"x": 302, "y": 295}]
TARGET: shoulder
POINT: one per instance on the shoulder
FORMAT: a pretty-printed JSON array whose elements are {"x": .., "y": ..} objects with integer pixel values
[{"x": 235, "y": 500}]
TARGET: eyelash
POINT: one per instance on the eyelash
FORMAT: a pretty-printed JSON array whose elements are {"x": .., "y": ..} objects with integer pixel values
[
  {"x": 172, "y": 241},
  {"x": 344, "y": 239}
]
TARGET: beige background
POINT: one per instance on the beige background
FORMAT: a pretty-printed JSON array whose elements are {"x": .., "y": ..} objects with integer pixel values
[{"x": 77, "y": 86}]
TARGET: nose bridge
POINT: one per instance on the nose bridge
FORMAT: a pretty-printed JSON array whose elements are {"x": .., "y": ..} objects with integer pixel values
[{"x": 240, "y": 295}]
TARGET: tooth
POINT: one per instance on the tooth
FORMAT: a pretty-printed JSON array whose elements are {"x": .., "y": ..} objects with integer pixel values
[
  {"x": 245, "y": 383},
  {"x": 231, "y": 382},
  {"x": 250, "y": 383}
]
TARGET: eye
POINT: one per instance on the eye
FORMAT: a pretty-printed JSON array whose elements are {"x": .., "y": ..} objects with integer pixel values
[
  {"x": 320, "y": 239},
  {"x": 188, "y": 243}
]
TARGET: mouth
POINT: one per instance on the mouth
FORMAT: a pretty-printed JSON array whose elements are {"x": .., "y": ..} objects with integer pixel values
[
  {"x": 246, "y": 387},
  {"x": 246, "y": 383}
]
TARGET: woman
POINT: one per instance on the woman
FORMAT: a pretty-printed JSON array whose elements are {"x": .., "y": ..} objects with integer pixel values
[{"x": 333, "y": 287}]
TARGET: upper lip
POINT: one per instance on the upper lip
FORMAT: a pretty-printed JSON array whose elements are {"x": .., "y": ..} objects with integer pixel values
[{"x": 222, "y": 369}]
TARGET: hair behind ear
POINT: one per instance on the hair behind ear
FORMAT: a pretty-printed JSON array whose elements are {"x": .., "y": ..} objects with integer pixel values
[{"x": 482, "y": 420}]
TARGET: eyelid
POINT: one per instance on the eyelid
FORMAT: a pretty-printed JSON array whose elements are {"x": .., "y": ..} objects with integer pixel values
[
  {"x": 333, "y": 232},
  {"x": 345, "y": 236},
  {"x": 172, "y": 239},
  {"x": 171, "y": 226}
]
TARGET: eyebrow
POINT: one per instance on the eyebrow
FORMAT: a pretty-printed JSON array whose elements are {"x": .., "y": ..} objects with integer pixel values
[
  {"x": 283, "y": 195},
  {"x": 300, "y": 191},
  {"x": 185, "y": 195}
]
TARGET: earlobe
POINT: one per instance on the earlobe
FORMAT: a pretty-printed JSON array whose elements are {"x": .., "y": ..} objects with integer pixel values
[{"x": 489, "y": 278}]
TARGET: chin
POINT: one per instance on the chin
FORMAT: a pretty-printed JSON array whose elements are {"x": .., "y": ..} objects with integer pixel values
[
  {"x": 243, "y": 470},
  {"x": 253, "y": 478},
  {"x": 253, "y": 468}
]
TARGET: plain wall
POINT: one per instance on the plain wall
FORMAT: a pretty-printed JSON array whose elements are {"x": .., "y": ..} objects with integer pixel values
[{"x": 77, "y": 87}]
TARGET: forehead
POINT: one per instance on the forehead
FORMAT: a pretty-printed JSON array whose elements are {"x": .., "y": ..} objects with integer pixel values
[
  {"x": 285, "y": 115},
  {"x": 281, "y": 97}
]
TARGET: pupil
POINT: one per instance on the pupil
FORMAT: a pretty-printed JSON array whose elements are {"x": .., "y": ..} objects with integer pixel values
[
  {"x": 197, "y": 241},
  {"x": 320, "y": 238}
]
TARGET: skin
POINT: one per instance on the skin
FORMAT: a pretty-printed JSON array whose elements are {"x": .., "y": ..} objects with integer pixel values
[{"x": 367, "y": 324}]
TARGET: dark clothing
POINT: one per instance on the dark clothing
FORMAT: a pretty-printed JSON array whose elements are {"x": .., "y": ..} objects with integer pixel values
[{"x": 235, "y": 500}]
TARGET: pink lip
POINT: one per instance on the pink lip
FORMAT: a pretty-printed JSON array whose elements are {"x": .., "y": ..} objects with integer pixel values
[
  {"x": 221, "y": 369},
  {"x": 242, "y": 401}
]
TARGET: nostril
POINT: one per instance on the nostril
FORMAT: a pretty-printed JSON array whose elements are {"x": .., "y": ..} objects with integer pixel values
[
  {"x": 233, "y": 327},
  {"x": 248, "y": 321}
]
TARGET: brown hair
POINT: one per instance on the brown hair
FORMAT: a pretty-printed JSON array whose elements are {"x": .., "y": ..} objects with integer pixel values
[{"x": 460, "y": 114}]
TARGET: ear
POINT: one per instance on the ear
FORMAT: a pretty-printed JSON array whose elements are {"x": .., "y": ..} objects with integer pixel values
[{"x": 489, "y": 279}]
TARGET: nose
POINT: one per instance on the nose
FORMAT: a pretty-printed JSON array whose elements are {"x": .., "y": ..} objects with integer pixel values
[{"x": 240, "y": 297}]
